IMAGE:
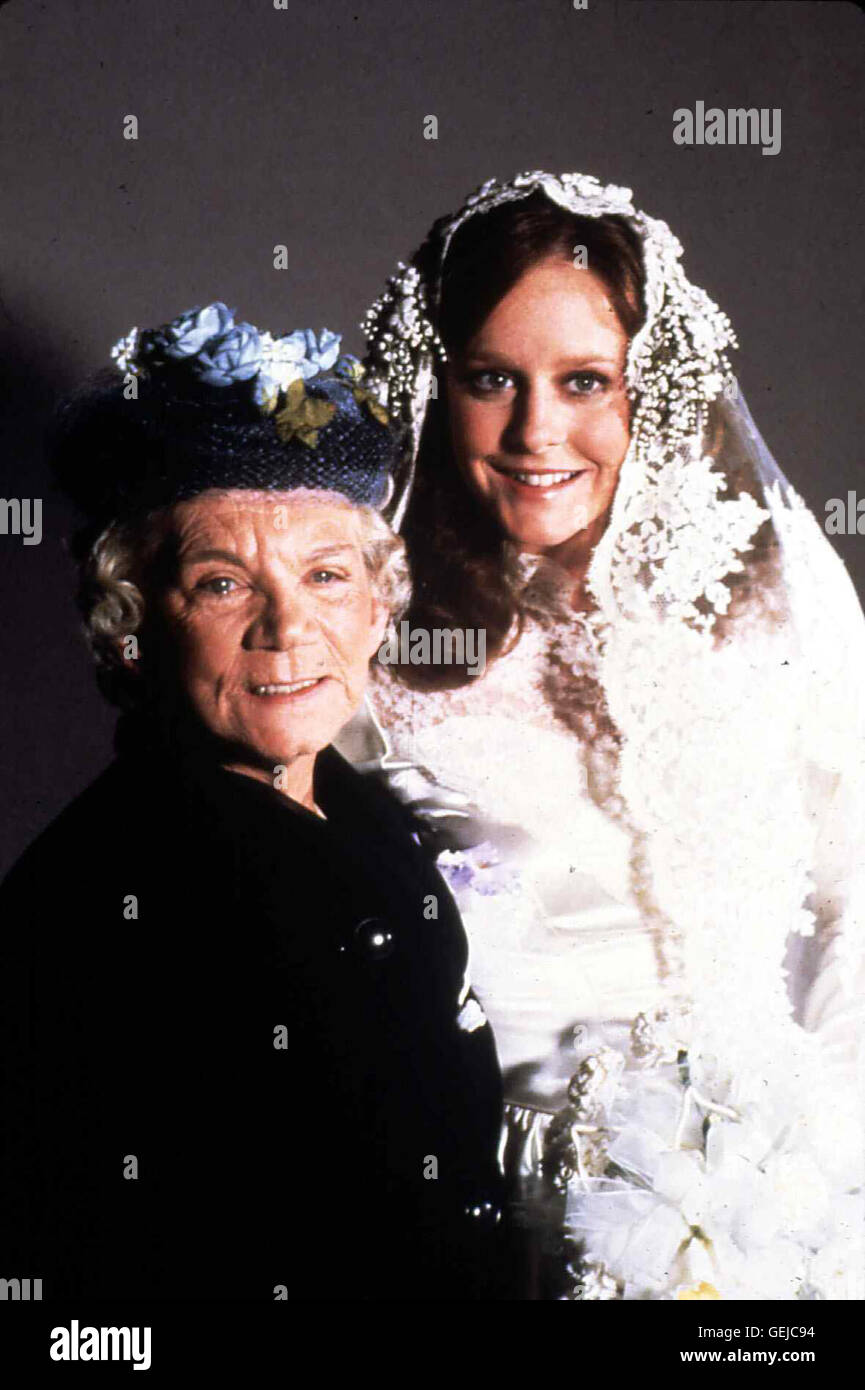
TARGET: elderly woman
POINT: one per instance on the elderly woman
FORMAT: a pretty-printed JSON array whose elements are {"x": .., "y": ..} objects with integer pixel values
[
  {"x": 665, "y": 900},
  {"x": 242, "y": 1060}
]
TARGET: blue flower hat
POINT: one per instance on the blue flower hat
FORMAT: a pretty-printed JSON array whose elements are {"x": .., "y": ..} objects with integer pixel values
[{"x": 205, "y": 401}]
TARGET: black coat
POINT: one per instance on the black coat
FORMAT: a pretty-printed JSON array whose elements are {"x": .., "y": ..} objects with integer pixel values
[{"x": 145, "y": 1044}]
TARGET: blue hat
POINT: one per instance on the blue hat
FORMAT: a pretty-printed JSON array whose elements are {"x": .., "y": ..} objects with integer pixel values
[{"x": 205, "y": 402}]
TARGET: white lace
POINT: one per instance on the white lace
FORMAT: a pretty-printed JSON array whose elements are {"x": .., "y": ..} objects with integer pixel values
[{"x": 722, "y": 812}]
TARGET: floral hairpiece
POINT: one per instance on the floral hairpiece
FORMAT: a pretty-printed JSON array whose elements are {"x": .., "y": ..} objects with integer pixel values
[
  {"x": 676, "y": 363},
  {"x": 219, "y": 352}
]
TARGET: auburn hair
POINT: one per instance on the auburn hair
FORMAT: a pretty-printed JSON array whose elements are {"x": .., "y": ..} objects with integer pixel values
[{"x": 458, "y": 554}]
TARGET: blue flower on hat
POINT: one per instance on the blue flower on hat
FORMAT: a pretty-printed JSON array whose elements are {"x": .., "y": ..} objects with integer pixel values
[
  {"x": 219, "y": 352},
  {"x": 230, "y": 357},
  {"x": 187, "y": 334},
  {"x": 315, "y": 354},
  {"x": 296, "y": 357}
]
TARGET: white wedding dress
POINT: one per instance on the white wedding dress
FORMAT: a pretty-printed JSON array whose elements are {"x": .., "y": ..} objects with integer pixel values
[
  {"x": 557, "y": 938},
  {"x": 600, "y": 927}
]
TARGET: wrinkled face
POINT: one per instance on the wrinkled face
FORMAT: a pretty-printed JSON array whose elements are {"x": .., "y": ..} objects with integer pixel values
[
  {"x": 538, "y": 411},
  {"x": 270, "y": 614}
]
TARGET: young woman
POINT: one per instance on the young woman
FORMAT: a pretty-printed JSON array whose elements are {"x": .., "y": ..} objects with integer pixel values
[{"x": 663, "y": 756}]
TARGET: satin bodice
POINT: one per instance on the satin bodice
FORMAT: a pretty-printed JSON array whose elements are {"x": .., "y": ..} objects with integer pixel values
[{"x": 559, "y": 945}]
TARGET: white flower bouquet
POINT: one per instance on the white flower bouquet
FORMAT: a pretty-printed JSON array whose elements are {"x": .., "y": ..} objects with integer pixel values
[{"x": 706, "y": 1188}]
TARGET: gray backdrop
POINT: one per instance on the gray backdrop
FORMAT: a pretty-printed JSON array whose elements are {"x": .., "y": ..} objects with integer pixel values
[{"x": 304, "y": 126}]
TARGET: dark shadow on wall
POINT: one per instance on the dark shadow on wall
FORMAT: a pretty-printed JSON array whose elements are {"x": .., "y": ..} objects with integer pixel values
[{"x": 56, "y": 729}]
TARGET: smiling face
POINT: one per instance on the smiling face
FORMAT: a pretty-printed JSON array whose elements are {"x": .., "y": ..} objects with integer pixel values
[
  {"x": 538, "y": 410},
  {"x": 271, "y": 620}
]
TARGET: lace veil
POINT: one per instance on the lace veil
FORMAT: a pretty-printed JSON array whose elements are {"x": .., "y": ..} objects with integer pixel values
[{"x": 684, "y": 512}]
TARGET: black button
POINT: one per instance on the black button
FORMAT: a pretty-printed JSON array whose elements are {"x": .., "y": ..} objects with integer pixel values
[{"x": 373, "y": 939}]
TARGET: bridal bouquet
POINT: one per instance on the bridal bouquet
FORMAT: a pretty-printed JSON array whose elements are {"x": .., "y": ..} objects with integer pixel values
[
  {"x": 684, "y": 1179},
  {"x": 687, "y": 1184}
]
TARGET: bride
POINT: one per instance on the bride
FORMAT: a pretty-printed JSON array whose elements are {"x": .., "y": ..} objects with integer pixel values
[{"x": 649, "y": 805}]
